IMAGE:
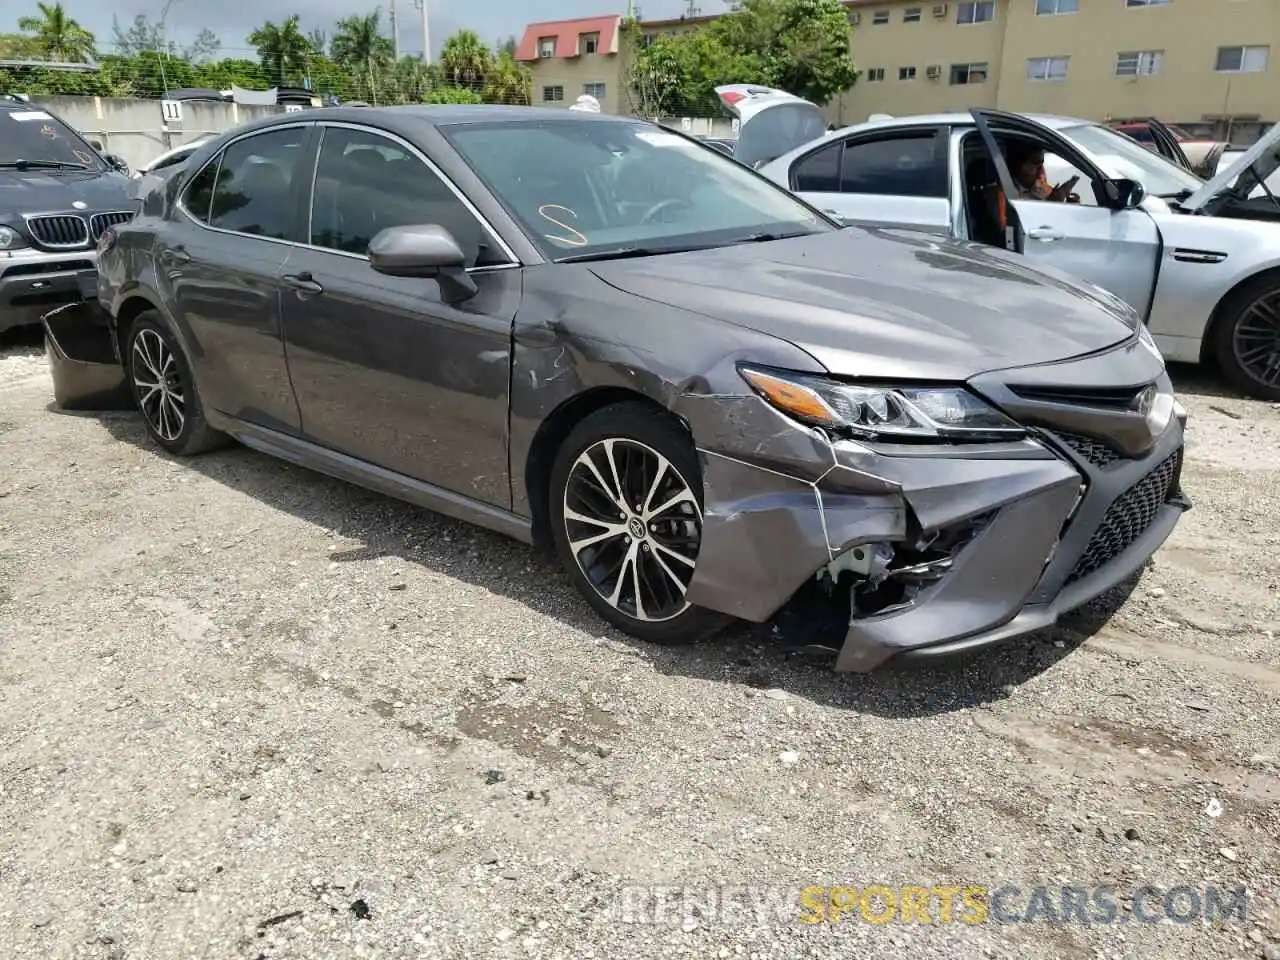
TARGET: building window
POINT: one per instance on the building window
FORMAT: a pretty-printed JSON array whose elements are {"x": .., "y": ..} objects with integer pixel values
[
  {"x": 906, "y": 73},
  {"x": 880, "y": 16},
  {"x": 552, "y": 94},
  {"x": 587, "y": 43},
  {"x": 976, "y": 11},
  {"x": 1052, "y": 8},
  {"x": 594, "y": 90},
  {"x": 1145, "y": 3},
  {"x": 546, "y": 46},
  {"x": 646, "y": 41},
  {"x": 1139, "y": 63},
  {"x": 911, "y": 15},
  {"x": 1047, "y": 68},
  {"x": 963, "y": 73},
  {"x": 1242, "y": 59},
  {"x": 875, "y": 75}
]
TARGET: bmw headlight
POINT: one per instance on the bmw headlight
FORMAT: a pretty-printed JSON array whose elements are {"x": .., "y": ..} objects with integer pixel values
[
  {"x": 10, "y": 239},
  {"x": 882, "y": 411}
]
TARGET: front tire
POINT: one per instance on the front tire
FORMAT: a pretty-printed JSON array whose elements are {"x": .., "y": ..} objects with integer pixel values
[
  {"x": 165, "y": 390},
  {"x": 1247, "y": 339},
  {"x": 626, "y": 515}
]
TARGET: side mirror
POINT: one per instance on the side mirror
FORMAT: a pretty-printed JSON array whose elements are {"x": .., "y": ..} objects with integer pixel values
[
  {"x": 1121, "y": 194},
  {"x": 423, "y": 251},
  {"x": 116, "y": 162}
]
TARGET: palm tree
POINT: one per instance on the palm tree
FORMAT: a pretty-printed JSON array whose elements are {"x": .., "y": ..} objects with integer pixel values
[
  {"x": 509, "y": 82},
  {"x": 58, "y": 36},
  {"x": 465, "y": 60},
  {"x": 282, "y": 48},
  {"x": 358, "y": 44}
]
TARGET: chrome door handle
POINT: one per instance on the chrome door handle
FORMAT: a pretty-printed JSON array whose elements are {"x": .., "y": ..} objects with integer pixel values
[
  {"x": 1045, "y": 233},
  {"x": 303, "y": 282}
]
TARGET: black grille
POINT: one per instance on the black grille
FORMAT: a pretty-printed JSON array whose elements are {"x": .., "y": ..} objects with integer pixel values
[
  {"x": 1130, "y": 516},
  {"x": 100, "y": 221},
  {"x": 1094, "y": 451},
  {"x": 61, "y": 232}
]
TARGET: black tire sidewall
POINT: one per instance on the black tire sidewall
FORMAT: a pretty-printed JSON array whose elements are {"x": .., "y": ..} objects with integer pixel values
[
  {"x": 192, "y": 411},
  {"x": 1224, "y": 339},
  {"x": 630, "y": 421}
]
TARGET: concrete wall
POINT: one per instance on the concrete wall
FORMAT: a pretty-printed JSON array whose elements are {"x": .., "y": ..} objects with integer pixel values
[{"x": 136, "y": 129}]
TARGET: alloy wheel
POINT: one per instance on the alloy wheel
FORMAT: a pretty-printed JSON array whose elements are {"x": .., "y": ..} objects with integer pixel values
[
  {"x": 1256, "y": 339},
  {"x": 159, "y": 386},
  {"x": 634, "y": 528}
]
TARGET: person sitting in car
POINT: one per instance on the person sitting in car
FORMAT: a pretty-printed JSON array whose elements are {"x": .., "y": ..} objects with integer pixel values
[{"x": 1026, "y": 166}]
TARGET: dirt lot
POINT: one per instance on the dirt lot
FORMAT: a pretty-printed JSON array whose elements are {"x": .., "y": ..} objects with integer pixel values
[{"x": 250, "y": 712}]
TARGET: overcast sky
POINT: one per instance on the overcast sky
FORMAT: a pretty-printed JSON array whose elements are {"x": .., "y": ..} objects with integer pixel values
[{"x": 233, "y": 19}]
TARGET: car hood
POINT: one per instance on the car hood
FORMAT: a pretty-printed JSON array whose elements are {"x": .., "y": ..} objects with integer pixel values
[
  {"x": 1243, "y": 174},
  {"x": 50, "y": 191},
  {"x": 879, "y": 302}
]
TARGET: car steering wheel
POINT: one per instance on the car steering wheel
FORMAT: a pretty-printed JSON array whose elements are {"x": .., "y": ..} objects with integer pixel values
[{"x": 661, "y": 205}]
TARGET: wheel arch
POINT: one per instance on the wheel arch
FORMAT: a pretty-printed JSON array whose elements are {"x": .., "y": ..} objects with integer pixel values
[
  {"x": 1218, "y": 316},
  {"x": 127, "y": 314},
  {"x": 552, "y": 433}
]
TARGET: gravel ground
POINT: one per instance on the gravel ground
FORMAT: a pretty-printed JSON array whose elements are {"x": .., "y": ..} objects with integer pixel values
[{"x": 251, "y": 712}]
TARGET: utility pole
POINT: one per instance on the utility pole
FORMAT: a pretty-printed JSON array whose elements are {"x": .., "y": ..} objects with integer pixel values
[
  {"x": 395, "y": 30},
  {"x": 426, "y": 30}
]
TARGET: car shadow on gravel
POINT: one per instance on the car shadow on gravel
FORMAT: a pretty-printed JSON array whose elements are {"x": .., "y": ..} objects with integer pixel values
[{"x": 754, "y": 656}]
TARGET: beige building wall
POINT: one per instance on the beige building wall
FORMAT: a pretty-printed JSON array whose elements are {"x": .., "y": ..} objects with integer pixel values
[
  {"x": 571, "y": 77},
  {"x": 1182, "y": 36},
  {"x": 906, "y": 44}
]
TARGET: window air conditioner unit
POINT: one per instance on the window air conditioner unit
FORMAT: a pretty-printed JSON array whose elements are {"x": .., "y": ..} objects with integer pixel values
[
  {"x": 940, "y": 10},
  {"x": 933, "y": 72}
]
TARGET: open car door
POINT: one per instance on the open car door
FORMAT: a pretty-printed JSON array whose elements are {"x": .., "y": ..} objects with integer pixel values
[
  {"x": 1167, "y": 145},
  {"x": 770, "y": 122},
  {"x": 1109, "y": 241}
]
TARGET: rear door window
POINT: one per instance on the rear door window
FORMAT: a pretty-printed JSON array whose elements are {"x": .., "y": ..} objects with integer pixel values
[{"x": 908, "y": 165}]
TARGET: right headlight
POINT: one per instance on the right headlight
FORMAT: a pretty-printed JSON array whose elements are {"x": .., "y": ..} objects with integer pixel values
[
  {"x": 895, "y": 413},
  {"x": 10, "y": 239}
]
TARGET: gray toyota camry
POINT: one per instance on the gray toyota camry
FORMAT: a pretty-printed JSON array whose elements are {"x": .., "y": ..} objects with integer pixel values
[{"x": 602, "y": 336}]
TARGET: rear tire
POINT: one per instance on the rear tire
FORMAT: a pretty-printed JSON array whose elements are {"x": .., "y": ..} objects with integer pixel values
[
  {"x": 632, "y": 552},
  {"x": 1246, "y": 339},
  {"x": 165, "y": 390}
]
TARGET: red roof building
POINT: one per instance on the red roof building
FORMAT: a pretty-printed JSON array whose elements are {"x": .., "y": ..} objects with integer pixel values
[{"x": 566, "y": 39}]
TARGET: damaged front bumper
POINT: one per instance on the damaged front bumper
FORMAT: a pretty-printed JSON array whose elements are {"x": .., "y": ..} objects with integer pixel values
[{"x": 938, "y": 550}]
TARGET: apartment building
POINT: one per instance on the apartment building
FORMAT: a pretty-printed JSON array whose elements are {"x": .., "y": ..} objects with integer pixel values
[
  {"x": 1204, "y": 64},
  {"x": 1199, "y": 63},
  {"x": 571, "y": 57}
]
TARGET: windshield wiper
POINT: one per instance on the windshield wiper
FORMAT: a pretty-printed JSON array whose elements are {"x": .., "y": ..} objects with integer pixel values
[
  {"x": 766, "y": 237},
  {"x": 625, "y": 253},
  {"x": 40, "y": 165}
]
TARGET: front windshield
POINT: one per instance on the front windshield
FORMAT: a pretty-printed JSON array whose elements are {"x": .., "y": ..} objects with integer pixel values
[
  {"x": 1121, "y": 157},
  {"x": 590, "y": 187},
  {"x": 40, "y": 137}
]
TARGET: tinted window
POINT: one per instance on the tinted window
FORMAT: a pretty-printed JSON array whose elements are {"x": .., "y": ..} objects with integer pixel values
[
  {"x": 592, "y": 186},
  {"x": 366, "y": 182},
  {"x": 29, "y": 133},
  {"x": 1140, "y": 133},
  {"x": 253, "y": 193},
  {"x": 200, "y": 191},
  {"x": 901, "y": 166},
  {"x": 819, "y": 172}
]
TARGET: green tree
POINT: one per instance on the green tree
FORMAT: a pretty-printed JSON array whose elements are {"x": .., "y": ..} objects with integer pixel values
[
  {"x": 507, "y": 46},
  {"x": 801, "y": 46},
  {"x": 14, "y": 46},
  {"x": 678, "y": 75},
  {"x": 358, "y": 45},
  {"x": 282, "y": 49},
  {"x": 57, "y": 36},
  {"x": 509, "y": 82},
  {"x": 144, "y": 35},
  {"x": 466, "y": 61}
]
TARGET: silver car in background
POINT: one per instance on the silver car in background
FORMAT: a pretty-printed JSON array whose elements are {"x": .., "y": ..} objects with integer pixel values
[{"x": 1199, "y": 261}]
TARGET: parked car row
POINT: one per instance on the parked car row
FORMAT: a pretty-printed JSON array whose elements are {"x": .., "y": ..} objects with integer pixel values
[{"x": 712, "y": 399}]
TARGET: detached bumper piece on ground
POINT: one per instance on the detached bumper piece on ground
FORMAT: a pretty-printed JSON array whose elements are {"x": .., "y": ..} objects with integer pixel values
[{"x": 86, "y": 373}]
